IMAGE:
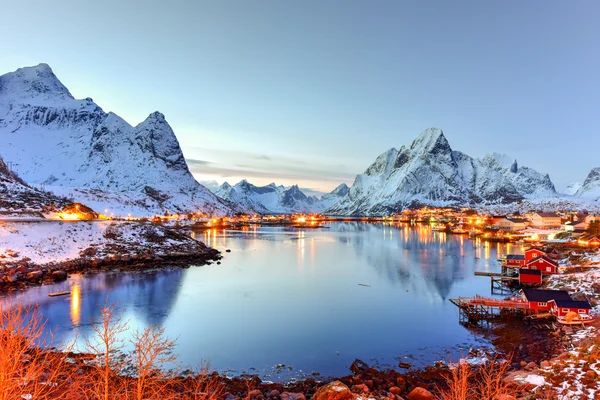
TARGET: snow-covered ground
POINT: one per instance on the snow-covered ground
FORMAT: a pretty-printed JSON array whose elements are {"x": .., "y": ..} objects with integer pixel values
[{"x": 57, "y": 241}]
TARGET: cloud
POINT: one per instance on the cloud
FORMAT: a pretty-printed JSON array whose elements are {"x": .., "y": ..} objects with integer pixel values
[
  {"x": 262, "y": 157},
  {"x": 194, "y": 162}
]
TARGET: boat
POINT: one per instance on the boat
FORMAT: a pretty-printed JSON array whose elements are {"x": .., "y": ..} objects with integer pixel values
[
  {"x": 439, "y": 227},
  {"x": 576, "y": 319},
  {"x": 55, "y": 294}
]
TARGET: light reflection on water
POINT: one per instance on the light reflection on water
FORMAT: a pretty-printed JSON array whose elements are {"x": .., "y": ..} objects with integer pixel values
[{"x": 314, "y": 299}]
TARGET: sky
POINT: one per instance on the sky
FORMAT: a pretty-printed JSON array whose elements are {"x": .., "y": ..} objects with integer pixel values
[{"x": 311, "y": 92}]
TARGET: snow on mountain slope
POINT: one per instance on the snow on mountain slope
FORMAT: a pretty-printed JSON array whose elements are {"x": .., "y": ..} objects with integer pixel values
[
  {"x": 18, "y": 196},
  {"x": 590, "y": 189},
  {"x": 430, "y": 172},
  {"x": 78, "y": 150},
  {"x": 273, "y": 199},
  {"x": 572, "y": 188}
]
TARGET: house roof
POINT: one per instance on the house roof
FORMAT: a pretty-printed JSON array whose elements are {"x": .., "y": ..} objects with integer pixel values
[
  {"x": 526, "y": 271},
  {"x": 547, "y": 259},
  {"x": 515, "y": 257},
  {"x": 547, "y": 215},
  {"x": 544, "y": 295},
  {"x": 572, "y": 303},
  {"x": 517, "y": 220},
  {"x": 546, "y": 250}
]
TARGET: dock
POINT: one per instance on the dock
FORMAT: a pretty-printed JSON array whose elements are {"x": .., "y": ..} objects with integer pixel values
[
  {"x": 498, "y": 281},
  {"x": 475, "y": 309},
  {"x": 56, "y": 294}
]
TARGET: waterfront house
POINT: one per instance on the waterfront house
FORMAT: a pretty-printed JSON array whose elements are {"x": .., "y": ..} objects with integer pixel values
[
  {"x": 511, "y": 224},
  {"x": 530, "y": 277},
  {"x": 571, "y": 226},
  {"x": 535, "y": 252},
  {"x": 543, "y": 263},
  {"x": 545, "y": 220},
  {"x": 539, "y": 299},
  {"x": 588, "y": 240},
  {"x": 560, "y": 308},
  {"x": 515, "y": 260}
]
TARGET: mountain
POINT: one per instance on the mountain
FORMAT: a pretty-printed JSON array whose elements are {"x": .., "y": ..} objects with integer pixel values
[
  {"x": 273, "y": 199},
  {"x": 78, "y": 150},
  {"x": 590, "y": 189},
  {"x": 16, "y": 195},
  {"x": 572, "y": 188},
  {"x": 429, "y": 172}
]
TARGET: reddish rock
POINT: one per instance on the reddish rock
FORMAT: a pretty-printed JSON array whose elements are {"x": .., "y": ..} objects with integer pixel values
[
  {"x": 292, "y": 396},
  {"x": 59, "y": 275},
  {"x": 274, "y": 393},
  {"x": 335, "y": 390},
  {"x": 255, "y": 394},
  {"x": 404, "y": 365},
  {"x": 400, "y": 381},
  {"x": 360, "y": 388},
  {"x": 35, "y": 275},
  {"x": 420, "y": 394},
  {"x": 395, "y": 390}
]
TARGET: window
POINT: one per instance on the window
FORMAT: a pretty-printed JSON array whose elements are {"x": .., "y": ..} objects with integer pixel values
[
  {"x": 542, "y": 304},
  {"x": 565, "y": 310},
  {"x": 533, "y": 267},
  {"x": 580, "y": 311},
  {"x": 548, "y": 269}
]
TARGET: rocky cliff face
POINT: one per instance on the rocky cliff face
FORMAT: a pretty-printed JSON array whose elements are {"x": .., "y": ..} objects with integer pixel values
[
  {"x": 430, "y": 172},
  {"x": 590, "y": 189},
  {"x": 78, "y": 150}
]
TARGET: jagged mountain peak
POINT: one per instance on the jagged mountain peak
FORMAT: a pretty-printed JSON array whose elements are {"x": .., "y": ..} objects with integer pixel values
[
  {"x": 431, "y": 140},
  {"x": 430, "y": 172},
  {"x": 593, "y": 176},
  {"x": 226, "y": 186},
  {"x": 340, "y": 190},
  {"x": 37, "y": 83}
]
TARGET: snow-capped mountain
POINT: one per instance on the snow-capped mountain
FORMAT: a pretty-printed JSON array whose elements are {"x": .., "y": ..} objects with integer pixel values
[
  {"x": 572, "y": 188},
  {"x": 590, "y": 189},
  {"x": 16, "y": 195},
  {"x": 77, "y": 150},
  {"x": 273, "y": 199},
  {"x": 430, "y": 172}
]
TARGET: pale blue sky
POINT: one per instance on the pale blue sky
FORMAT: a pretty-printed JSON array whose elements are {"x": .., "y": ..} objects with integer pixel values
[{"x": 311, "y": 92}]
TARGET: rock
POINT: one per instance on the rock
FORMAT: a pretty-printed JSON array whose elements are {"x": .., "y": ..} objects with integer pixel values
[
  {"x": 35, "y": 275},
  {"x": 544, "y": 364},
  {"x": 255, "y": 394},
  {"x": 531, "y": 366},
  {"x": 404, "y": 365},
  {"x": 292, "y": 396},
  {"x": 228, "y": 251},
  {"x": 590, "y": 374},
  {"x": 400, "y": 381},
  {"x": 523, "y": 364},
  {"x": 358, "y": 366},
  {"x": 59, "y": 275},
  {"x": 335, "y": 390},
  {"x": 420, "y": 394},
  {"x": 360, "y": 388},
  {"x": 395, "y": 390},
  {"x": 275, "y": 393}
]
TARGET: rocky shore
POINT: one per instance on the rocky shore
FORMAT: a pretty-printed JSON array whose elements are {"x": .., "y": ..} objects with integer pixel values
[{"x": 85, "y": 247}]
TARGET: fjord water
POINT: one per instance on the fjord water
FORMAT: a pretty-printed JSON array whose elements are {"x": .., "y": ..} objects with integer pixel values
[{"x": 312, "y": 299}]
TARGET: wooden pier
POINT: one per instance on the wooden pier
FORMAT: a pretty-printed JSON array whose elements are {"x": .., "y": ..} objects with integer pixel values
[
  {"x": 498, "y": 281},
  {"x": 475, "y": 309}
]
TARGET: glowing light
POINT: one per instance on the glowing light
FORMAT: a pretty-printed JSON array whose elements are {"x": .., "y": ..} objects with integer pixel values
[
  {"x": 75, "y": 304},
  {"x": 301, "y": 220}
]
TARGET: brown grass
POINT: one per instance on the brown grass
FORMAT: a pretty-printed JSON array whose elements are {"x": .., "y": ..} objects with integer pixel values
[{"x": 484, "y": 382}]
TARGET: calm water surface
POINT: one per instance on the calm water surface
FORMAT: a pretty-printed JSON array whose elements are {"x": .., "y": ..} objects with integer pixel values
[{"x": 298, "y": 297}]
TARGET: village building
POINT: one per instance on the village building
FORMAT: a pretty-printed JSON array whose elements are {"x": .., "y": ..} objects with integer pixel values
[
  {"x": 560, "y": 307},
  {"x": 511, "y": 224},
  {"x": 588, "y": 240},
  {"x": 543, "y": 263},
  {"x": 571, "y": 226},
  {"x": 530, "y": 277},
  {"x": 589, "y": 218},
  {"x": 515, "y": 260},
  {"x": 539, "y": 299},
  {"x": 535, "y": 252},
  {"x": 544, "y": 220}
]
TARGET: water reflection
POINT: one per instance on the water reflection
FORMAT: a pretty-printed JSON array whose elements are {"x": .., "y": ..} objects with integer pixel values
[{"x": 314, "y": 299}]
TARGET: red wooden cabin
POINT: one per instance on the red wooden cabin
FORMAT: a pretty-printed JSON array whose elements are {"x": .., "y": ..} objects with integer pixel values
[
  {"x": 535, "y": 252},
  {"x": 539, "y": 300},
  {"x": 545, "y": 264},
  {"x": 530, "y": 277},
  {"x": 560, "y": 308},
  {"x": 515, "y": 260}
]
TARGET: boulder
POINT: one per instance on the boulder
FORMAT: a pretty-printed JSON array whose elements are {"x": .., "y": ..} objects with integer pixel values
[
  {"x": 292, "y": 396},
  {"x": 35, "y": 275},
  {"x": 255, "y": 394},
  {"x": 335, "y": 390},
  {"x": 358, "y": 366},
  {"x": 395, "y": 390},
  {"x": 420, "y": 394},
  {"x": 59, "y": 275}
]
